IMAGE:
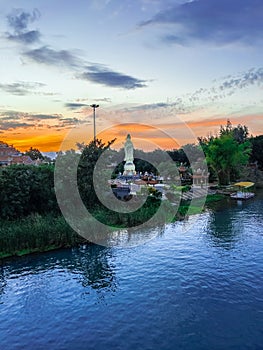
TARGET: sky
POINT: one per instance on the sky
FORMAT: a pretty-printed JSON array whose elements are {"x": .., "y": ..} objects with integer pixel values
[{"x": 164, "y": 71}]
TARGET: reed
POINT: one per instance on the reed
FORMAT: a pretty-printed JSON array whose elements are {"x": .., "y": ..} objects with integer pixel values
[{"x": 35, "y": 233}]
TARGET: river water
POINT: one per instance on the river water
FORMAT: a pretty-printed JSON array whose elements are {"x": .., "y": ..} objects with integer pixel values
[{"x": 187, "y": 288}]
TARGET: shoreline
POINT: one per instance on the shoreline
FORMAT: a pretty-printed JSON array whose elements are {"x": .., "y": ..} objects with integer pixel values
[{"x": 68, "y": 238}]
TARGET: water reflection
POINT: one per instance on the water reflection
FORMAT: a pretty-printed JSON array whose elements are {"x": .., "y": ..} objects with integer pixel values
[
  {"x": 226, "y": 225},
  {"x": 2, "y": 279},
  {"x": 224, "y": 229},
  {"x": 96, "y": 268},
  {"x": 91, "y": 265}
]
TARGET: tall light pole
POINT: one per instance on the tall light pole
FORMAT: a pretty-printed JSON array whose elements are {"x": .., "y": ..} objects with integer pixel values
[{"x": 94, "y": 106}]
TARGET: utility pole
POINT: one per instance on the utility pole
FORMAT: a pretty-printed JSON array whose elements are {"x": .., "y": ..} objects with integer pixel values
[{"x": 94, "y": 106}]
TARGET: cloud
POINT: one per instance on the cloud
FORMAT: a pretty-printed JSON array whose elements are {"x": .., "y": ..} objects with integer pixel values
[
  {"x": 69, "y": 122},
  {"x": 26, "y": 38},
  {"x": 49, "y": 56},
  {"x": 44, "y": 116},
  {"x": 96, "y": 73},
  {"x": 8, "y": 125},
  {"x": 243, "y": 80},
  {"x": 74, "y": 106},
  {"x": 177, "y": 105},
  {"x": 229, "y": 85},
  {"x": 152, "y": 106},
  {"x": 220, "y": 22},
  {"x": 14, "y": 116},
  {"x": 9, "y": 115},
  {"x": 21, "y": 88},
  {"x": 202, "y": 97},
  {"x": 19, "y": 21},
  {"x": 104, "y": 99},
  {"x": 102, "y": 75},
  {"x": 12, "y": 119}
]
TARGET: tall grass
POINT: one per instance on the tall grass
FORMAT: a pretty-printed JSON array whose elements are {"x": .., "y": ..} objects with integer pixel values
[{"x": 35, "y": 233}]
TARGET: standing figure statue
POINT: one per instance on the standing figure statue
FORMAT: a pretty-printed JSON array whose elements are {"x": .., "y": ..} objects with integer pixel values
[
  {"x": 128, "y": 147},
  {"x": 129, "y": 167}
]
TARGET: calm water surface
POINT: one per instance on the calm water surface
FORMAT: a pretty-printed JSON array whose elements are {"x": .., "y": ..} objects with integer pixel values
[{"x": 200, "y": 288}]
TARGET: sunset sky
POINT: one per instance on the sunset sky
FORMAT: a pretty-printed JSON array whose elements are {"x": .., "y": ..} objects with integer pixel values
[{"x": 180, "y": 68}]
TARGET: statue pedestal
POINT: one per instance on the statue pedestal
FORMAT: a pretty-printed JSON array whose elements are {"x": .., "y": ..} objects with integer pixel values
[{"x": 129, "y": 169}]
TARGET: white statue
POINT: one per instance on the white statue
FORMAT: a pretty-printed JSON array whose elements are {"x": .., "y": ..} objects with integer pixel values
[
  {"x": 129, "y": 167},
  {"x": 128, "y": 147}
]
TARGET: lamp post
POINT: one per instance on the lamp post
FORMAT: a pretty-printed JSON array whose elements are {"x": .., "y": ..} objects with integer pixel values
[{"x": 94, "y": 106}]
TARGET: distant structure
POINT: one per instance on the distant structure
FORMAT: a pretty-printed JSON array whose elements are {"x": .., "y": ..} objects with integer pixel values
[
  {"x": 129, "y": 167},
  {"x": 9, "y": 155}
]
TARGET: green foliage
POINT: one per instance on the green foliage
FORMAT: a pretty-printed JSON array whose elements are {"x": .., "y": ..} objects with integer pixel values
[
  {"x": 257, "y": 150},
  {"x": 119, "y": 220},
  {"x": 34, "y": 154},
  {"x": 36, "y": 233},
  {"x": 226, "y": 153},
  {"x": 239, "y": 133},
  {"x": 90, "y": 155},
  {"x": 25, "y": 190},
  {"x": 178, "y": 156}
]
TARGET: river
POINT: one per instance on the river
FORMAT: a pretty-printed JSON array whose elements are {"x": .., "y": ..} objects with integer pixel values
[{"x": 186, "y": 288}]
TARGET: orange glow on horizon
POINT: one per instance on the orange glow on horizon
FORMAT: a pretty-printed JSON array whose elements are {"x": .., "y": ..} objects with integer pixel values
[{"x": 158, "y": 135}]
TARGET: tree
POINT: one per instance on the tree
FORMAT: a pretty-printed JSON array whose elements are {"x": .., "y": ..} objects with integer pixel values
[
  {"x": 225, "y": 155},
  {"x": 240, "y": 132},
  {"x": 34, "y": 154},
  {"x": 90, "y": 155},
  {"x": 257, "y": 150},
  {"x": 26, "y": 189}
]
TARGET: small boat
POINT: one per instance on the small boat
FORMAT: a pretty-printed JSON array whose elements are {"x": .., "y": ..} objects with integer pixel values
[{"x": 243, "y": 193}]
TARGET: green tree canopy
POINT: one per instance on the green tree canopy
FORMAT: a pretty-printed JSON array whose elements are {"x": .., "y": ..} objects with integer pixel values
[
  {"x": 257, "y": 150},
  {"x": 225, "y": 155},
  {"x": 34, "y": 154}
]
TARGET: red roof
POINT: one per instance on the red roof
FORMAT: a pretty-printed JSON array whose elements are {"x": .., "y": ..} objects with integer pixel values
[
  {"x": 10, "y": 155},
  {"x": 22, "y": 160}
]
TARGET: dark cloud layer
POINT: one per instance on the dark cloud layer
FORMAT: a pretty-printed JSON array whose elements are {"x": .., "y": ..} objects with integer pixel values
[
  {"x": 8, "y": 125},
  {"x": 221, "y": 22},
  {"x": 49, "y": 56},
  {"x": 96, "y": 73},
  {"x": 19, "y": 21},
  {"x": 104, "y": 76},
  {"x": 43, "y": 116},
  {"x": 25, "y": 38},
  {"x": 20, "y": 88},
  {"x": 177, "y": 105},
  {"x": 10, "y": 120},
  {"x": 74, "y": 106}
]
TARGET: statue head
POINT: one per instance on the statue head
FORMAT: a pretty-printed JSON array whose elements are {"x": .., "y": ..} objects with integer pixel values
[{"x": 128, "y": 137}]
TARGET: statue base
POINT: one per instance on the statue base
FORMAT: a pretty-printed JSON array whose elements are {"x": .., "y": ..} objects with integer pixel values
[{"x": 129, "y": 169}]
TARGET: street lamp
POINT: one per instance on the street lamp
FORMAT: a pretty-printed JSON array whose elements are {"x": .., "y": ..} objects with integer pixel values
[{"x": 94, "y": 106}]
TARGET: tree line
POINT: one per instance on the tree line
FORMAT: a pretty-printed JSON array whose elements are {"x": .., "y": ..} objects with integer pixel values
[
  {"x": 30, "y": 218},
  {"x": 30, "y": 189}
]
